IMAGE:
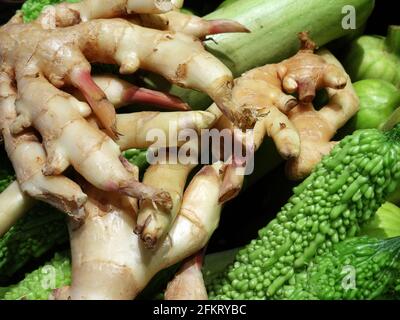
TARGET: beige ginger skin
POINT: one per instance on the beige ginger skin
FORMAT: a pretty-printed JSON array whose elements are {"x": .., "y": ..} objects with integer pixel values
[
  {"x": 56, "y": 51},
  {"x": 108, "y": 260},
  {"x": 188, "y": 283}
]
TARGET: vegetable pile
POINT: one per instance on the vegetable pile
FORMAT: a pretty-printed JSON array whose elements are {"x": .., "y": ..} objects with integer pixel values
[{"x": 86, "y": 213}]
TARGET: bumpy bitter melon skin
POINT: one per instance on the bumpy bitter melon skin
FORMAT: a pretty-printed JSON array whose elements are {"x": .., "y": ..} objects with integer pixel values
[
  {"x": 360, "y": 268},
  {"x": 39, "y": 284},
  {"x": 39, "y": 231},
  {"x": 343, "y": 192}
]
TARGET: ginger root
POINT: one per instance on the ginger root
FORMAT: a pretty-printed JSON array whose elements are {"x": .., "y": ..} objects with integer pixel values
[
  {"x": 317, "y": 127},
  {"x": 153, "y": 223},
  {"x": 40, "y": 59},
  {"x": 301, "y": 134},
  {"x": 267, "y": 89},
  {"x": 13, "y": 205},
  {"x": 108, "y": 261},
  {"x": 188, "y": 283}
]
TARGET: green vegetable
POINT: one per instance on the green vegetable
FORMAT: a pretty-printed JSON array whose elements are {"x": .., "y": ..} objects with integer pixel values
[
  {"x": 385, "y": 224},
  {"x": 274, "y": 26},
  {"x": 360, "y": 268},
  {"x": 343, "y": 192},
  {"x": 39, "y": 284},
  {"x": 33, "y": 235},
  {"x": 375, "y": 57},
  {"x": 137, "y": 157},
  {"x": 227, "y": 3},
  {"x": 32, "y": 8},
  {"x": 7, "y": 175},
  {"x": 395, "y": 292},
  {"x": 378, "y": 100},
  {"x": 5, "y": 179},
  {"x": 215, "y": 263}
]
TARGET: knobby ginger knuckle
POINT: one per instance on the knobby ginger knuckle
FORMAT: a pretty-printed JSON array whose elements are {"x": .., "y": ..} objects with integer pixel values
[
  {"x": 307, "y": 72},
  {"x": 301, "y": 134},
  {"x": 153, "y": 223}
]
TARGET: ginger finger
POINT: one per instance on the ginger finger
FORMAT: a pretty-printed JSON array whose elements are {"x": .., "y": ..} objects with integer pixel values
[
  {"x": 198, "y": 217},
  {"x": 306, "y": 72},
  {"x": 260, "y": 89},
  {"x": 317, "y": 128},
  {"x": 188, "y": 283},
  {"x": 139, "y": 130},
  {"x": 28, "y": 158},
  {"x": 233, "y": 180},
  {"x": 13, "y": 205},
  {"x": 68, "y": 14},
  {"x": 315, "y": 134},
  {"x": 121, "y": 93},
  {"x": 97, "y": 99},
  {"x": 176, "y": 21},
  {"x": 278, "y": 126},
  {"x": 153, "y": 223},
  {"x": 70, "y": 139},
  {"x": 343, "y": 104},
  {"x": 100, "y": 272}
]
